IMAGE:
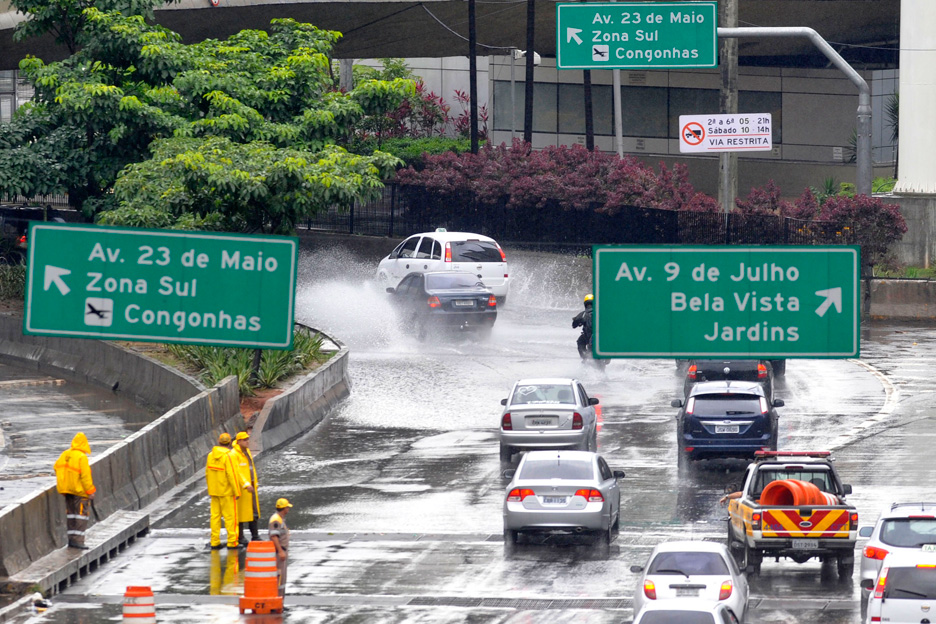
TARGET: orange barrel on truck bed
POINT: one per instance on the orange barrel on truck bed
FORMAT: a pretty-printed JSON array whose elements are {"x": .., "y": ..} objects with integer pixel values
[{"x": 792, "y": 493}]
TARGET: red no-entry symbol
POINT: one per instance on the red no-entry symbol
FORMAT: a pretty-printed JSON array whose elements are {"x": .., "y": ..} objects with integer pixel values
[{"x": 693, "y": 133}]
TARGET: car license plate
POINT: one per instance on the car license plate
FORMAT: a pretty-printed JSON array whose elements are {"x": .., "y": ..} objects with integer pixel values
[
  {"x": 805, "y": 544},
  {"x": 541, "y": 422},
  {"x": 465, "y": 303},
  {"x": 726, "y": 429},
  {"x": 687, "y": 592},
  {"x": 554, "y": 500},
  {"x": 929, "y": 547}
]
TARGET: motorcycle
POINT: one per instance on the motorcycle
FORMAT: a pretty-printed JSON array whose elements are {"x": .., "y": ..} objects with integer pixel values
[{"x": 599, "y": 363}]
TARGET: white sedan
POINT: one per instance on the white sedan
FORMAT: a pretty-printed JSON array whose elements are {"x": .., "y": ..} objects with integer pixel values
[
  {"x": 694, "y": 570},
  {"x": 686, "y": 612}
]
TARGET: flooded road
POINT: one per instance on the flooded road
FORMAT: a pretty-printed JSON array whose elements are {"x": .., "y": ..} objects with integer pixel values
[{"x": 398, "y": 493}]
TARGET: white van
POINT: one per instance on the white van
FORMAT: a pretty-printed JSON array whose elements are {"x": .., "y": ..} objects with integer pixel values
[{"x": 448, "y": 251}]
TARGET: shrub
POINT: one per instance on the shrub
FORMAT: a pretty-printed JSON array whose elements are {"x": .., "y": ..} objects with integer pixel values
[
  {"x": 763, "y": 200},
  {"x": 12, "y": 281},
  {"x": 865, "y": 221}
]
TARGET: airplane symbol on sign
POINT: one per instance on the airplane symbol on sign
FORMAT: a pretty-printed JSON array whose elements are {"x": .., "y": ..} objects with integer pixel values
[
  {"x": 599, "y": 52},
  {"x": 95, "y": 311}
]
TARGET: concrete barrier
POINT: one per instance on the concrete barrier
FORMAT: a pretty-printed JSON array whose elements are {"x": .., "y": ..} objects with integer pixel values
[
  {"x": 13, "y": 553},
  {"x": 38, "y": 520}
]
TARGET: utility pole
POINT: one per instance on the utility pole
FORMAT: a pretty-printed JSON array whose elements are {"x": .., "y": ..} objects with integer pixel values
[
  {"x": 528, "y": 87},
  {"x": 473, "y": 75},
  {"x": 728, "y": 103},
  {"x": 589, "y": 119}
]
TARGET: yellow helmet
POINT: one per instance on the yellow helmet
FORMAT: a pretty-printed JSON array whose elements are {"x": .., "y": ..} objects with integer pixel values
[{"x": 589, "y": 298}]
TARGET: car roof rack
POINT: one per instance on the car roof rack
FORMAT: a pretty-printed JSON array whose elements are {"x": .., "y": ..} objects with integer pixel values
[
  {"x": 764, "y": 455},
  {"x": 921, "y": 505}
]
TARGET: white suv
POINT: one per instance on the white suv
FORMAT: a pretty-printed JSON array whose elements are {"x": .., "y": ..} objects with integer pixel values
[
  {"x": 902, "y": 527},
  {"x": 905, "y": 589},
  {"x": 448, "y": 251}
]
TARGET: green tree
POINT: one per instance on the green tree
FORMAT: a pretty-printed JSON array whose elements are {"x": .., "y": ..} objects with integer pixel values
[{"x": 224, "y": 109}]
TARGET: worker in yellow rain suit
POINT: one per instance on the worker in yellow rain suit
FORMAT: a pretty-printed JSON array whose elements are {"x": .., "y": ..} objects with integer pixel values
[
  {"x": 73, "y": 479},
  {"x": 248, "y": 505},
  {"x": 224, "y": 487}
]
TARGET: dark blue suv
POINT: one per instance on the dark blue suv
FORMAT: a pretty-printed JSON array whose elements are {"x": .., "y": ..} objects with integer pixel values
[{"x": 726, "y": 419}]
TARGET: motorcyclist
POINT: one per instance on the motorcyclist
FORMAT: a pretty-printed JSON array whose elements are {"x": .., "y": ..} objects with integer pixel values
[{"x": 584, "y": 320}]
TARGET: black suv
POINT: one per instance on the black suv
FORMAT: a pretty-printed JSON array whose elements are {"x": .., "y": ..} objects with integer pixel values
[
  {"x": 726, "y": 419},
  {"x": 758, "y": 371}
]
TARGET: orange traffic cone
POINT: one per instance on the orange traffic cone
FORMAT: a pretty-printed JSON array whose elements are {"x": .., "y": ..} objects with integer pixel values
[
  {"x": 261, "y": 586},
  {"x": 139, "y": 606}
]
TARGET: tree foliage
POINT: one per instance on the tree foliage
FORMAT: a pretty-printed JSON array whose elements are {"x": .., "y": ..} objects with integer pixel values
[{"x": 256, "y": 118}]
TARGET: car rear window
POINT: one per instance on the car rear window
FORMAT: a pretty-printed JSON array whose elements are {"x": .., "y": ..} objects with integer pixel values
[
  {"x": 911, "y": 584},
  {"x": 543, "y": 393},
  {"x": 822, "y": 479},
  {"x": 557, "y": 469},
  {"x": 726, "y": 405},
  {"x": 475, "y": 251},
  {"x": 441, "y": 282},
  {"x": 713, "y": 370},
  {"x": 688, "y": 563},
  {"x": 908, "y": 532},
  {"x": 677, "y": 617}
]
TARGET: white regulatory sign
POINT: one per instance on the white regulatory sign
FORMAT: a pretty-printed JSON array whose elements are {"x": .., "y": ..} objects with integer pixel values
[{"x": 746, "y": 132}]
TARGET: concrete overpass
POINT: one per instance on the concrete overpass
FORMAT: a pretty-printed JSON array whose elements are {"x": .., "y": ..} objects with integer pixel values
[{"x": 439, "y": 28}]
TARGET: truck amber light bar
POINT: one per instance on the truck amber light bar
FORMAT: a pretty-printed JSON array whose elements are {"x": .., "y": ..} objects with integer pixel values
[{"x": 792, "y": 453}]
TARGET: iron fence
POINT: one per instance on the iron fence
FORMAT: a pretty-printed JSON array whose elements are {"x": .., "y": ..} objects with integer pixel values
[{"x": 401, "y": 212}]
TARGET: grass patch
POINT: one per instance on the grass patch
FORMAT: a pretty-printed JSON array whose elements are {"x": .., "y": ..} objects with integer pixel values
[
  {"x": 212, "y": 364},
  {"x": 12, "y": 282},
  {"x": 906, "y": 272}
]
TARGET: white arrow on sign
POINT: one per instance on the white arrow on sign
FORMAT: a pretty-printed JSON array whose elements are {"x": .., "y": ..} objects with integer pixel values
[
  {"x": 833, "y": 297},
  {"x": 53, "y": 275},
  {"x": 572, "y": 33}
]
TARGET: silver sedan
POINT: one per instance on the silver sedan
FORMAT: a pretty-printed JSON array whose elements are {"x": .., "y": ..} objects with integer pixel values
[
  {"x": 548, "y": 413},
  {"x": 565, "y": 492},
  {"x": 694, "y": 570}
]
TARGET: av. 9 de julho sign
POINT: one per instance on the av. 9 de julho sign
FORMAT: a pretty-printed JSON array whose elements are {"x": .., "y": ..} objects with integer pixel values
[{"x": 87, "y": 281}]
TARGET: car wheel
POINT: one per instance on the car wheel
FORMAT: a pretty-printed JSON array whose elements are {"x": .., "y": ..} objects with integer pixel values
[
  {"x": 506, "y": 453},
  {"x": 750, "y": 561},
  {"x": 616, "y": 527},
  {"x": 484, "y": 333},
  {"x": 422, "y": 329},
  {"x": 604, "y": 542},
  {"x": 510, "y": 542},
  {"x": 779, "y": 367},
  {"x": 845, "y": 569},
  {"x": 775, "y": 433}
]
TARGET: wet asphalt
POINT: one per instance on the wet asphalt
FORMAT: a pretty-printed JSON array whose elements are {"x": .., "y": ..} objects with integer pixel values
[{"x": 398, "y": 493}]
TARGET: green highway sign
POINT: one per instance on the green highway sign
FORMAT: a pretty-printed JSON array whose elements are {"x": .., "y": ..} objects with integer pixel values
[
  {"x": 743, "y": 302},
  {"x": 636, "y": 35},
  {"x": 233, "y": 290}
]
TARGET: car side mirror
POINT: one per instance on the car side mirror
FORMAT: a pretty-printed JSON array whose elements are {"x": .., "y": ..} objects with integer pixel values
[
  {"x": 509, "y": 473},
  {"x": 636, "y": 569},
  {"x": 846, "y": 489},
  {"x": 391, "y": 290},
  {"x": 865, "y": 531},
  {"x": 619, "y": 474},
  {"x": 592, "y": 401},
  {"x": 676, "y": 403},
  {"x": 867, "y": 584},
  {"x": 778, "y": 403},
  {"x": 503, "y": 401}
]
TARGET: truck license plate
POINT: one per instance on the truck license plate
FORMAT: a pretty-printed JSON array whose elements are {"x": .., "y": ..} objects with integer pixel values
[
  {"x": 726, "y": 428},
  {"x": 805, "y": 544}
]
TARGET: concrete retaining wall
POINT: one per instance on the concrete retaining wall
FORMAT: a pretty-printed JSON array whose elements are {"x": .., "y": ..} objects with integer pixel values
[
  {"x": 903, "y": 299},
  {"x": 94, "y": 362}
]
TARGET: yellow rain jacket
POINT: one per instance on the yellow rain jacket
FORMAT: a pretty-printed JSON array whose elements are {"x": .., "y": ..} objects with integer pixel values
[
  {"x": 72, "y": 472},
  {"x": 221, "y": 474},
  {"x": 248, "y": 506}
]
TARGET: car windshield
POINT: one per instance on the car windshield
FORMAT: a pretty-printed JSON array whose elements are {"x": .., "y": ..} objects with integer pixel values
[
  {"x": 908, "y": 532},
  {"x": 911, "y": 584},
  {"x": 456, "y": 280},
  {"x": 688, "y": 563},
  {"x": 725, "y": 405},
  {"x": 555, "y": 468},
  {"x": 822, "y": 479},
  {"x": 543, "y": 393},
  {"x": 676, "y": 617},
  {"x": 475, "y": 251}
]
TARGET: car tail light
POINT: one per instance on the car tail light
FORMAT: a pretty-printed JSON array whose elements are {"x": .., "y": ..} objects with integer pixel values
[
  {"x": 724, "y": 593},
  {"x": 691, "y": 374},
  {"x": 516, "y": 495},
  {"x": 593, "y": 496},
  {"x": 763, "y": 405},
  {"x": 926, "y": 565},
  {"x": 448, "y": 252},
  {"x": 503, "y": 255},
  {"x": 577, "y": 422},
  {"x": 690, "y": 405},
  {"x": 920, "y": 517},
  {"x": 873, "y": 552},
  {"x": 22, "y": 240},
  {"x": 434, "y": 302},
  {"x": 881, "y": 584},
  {"x": 492, "y": 301},
  {"x": 761, "y": 371},
  {"x": 755, "y": 522},
  {"x": 506, "y": 423},
  {"x": 854, "y": 519},
  {"x": 649, "y": 589}
]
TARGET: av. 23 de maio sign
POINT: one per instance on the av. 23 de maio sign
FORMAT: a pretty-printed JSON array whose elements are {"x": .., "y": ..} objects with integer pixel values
[
  {"x": 87, "y": 281},
  {"x": 747, "y": 302}
]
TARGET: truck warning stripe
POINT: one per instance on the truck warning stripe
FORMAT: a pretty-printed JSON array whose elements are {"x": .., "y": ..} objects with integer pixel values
[{"x": 786, "y": 523}]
